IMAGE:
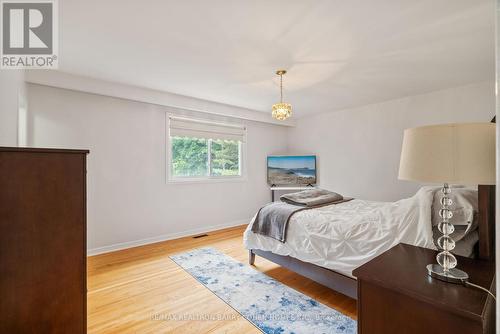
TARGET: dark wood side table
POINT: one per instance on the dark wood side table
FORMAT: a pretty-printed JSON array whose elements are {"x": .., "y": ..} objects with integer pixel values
[{"x": 395, "y": 295}]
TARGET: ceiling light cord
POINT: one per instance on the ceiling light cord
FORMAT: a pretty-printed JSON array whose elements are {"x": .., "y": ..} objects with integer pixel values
[
  {"x": 480, "y": 288},
  {"x": 281, "y": 88}
]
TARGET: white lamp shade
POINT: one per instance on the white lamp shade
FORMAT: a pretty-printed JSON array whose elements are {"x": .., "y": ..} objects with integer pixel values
[{"x": 449, "y": 153}]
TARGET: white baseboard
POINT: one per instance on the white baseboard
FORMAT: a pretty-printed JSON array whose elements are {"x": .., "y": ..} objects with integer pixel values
[{"x": 164, "y": 237}]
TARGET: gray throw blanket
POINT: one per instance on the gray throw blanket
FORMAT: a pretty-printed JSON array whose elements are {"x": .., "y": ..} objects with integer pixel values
[
  {"x": 272, "y": 219},
  {"x": 312, "y": 197}
]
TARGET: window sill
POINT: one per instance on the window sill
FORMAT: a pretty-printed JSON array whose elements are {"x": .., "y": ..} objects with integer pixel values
[{"x": 208, "y": 180}]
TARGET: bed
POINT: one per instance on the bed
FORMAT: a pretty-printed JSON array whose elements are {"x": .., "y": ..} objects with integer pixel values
[{"x": 326, "y": 244}]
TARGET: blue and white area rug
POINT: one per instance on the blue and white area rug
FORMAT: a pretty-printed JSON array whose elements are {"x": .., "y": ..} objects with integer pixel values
[{"x": 269, "y": 305}]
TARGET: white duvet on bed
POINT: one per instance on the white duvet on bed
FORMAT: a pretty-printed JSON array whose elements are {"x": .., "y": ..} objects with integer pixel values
[{"x": 344, "y": 236}]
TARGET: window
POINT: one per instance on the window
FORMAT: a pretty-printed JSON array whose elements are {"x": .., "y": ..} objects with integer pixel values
[{"x": 202, "y": 150}]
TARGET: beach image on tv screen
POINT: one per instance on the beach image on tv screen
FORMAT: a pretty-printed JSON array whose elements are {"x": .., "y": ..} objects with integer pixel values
[{"x": 291, "y": 169}]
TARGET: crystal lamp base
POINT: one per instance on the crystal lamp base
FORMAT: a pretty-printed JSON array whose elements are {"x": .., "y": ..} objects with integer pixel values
[{"x": 453, "y": 275}]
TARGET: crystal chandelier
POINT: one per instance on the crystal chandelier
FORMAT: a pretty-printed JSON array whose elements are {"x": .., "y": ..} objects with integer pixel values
[{"x": 281, "y": 111}]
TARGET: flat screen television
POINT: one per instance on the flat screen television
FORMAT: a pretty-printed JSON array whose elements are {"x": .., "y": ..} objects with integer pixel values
[{"x": 291, "y": 170}]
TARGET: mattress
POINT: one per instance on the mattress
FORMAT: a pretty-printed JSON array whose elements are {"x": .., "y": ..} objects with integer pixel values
[{"x": 344, "y": 236}]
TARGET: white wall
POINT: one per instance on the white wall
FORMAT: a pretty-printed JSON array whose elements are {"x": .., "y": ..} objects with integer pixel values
[
  {"x": 358, "y": 149},
  {"x": 11, "y": 96},
  {"x": 128, "y": 197}
]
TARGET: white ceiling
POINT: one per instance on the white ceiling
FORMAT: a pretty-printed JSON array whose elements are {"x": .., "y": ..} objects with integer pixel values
[{"x": 339, "y": 54}]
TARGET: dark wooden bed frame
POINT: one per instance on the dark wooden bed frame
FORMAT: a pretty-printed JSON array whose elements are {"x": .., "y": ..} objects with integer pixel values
[{"x": 348, "y": 286}]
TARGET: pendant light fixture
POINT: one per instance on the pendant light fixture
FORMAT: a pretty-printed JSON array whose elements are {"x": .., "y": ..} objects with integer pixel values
[{"x": 281, "y": 111}]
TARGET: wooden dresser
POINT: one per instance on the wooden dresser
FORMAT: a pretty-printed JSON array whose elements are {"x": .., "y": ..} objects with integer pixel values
[
  {"x": 396, "y": 295},
  {"x": 42, "y": 240}
]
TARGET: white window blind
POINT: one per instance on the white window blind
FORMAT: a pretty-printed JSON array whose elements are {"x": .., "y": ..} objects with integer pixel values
[{"x": 184, "y": 127}]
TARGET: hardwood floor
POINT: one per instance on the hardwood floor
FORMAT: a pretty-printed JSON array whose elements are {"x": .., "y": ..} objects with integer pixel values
[{"x": 140, "y": 290}]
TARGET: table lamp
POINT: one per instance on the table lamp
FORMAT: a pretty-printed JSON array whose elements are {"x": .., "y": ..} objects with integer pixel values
[{"x": 461, "y": 153}]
